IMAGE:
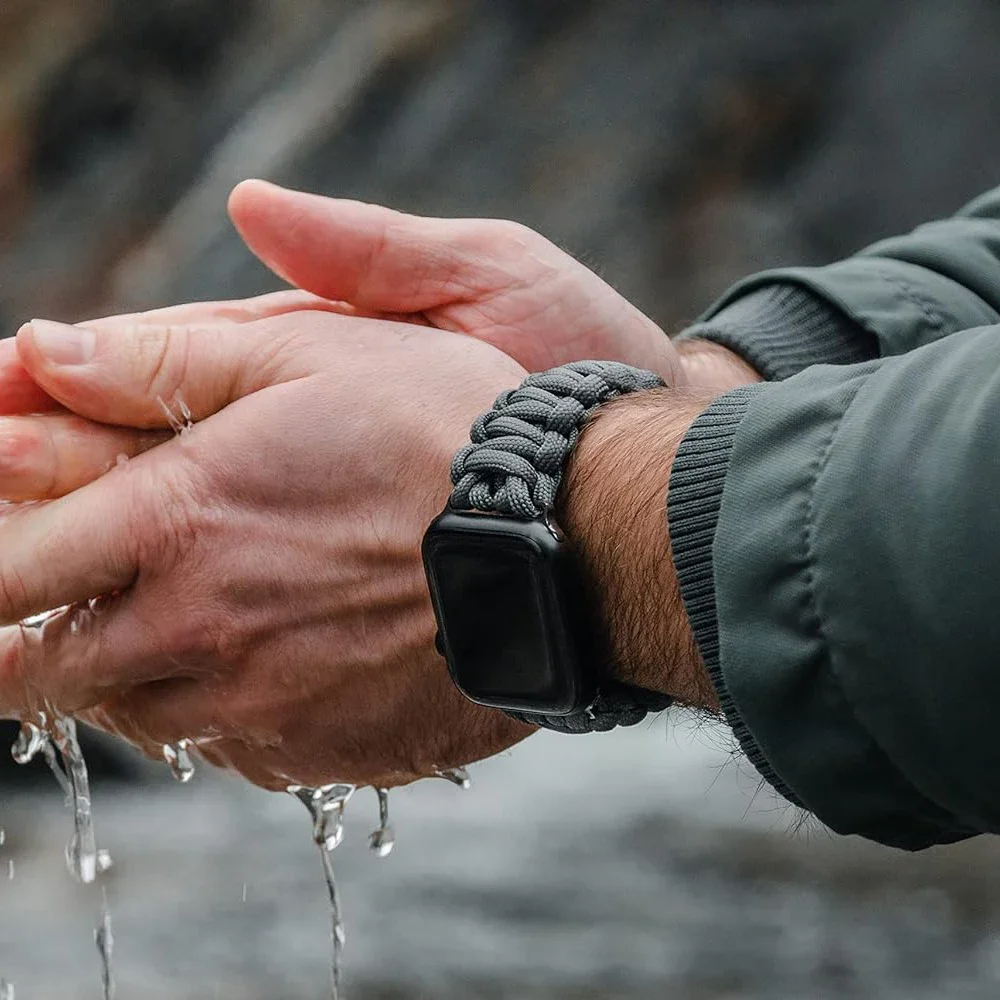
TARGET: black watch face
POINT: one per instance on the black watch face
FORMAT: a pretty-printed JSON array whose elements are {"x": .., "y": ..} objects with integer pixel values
[{"x": 508, "y": 613}]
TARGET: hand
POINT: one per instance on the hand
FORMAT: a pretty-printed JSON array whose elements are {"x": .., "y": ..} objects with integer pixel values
[
  {"x": 269, "y": 595},
  {"x": 496, "y": 281}
]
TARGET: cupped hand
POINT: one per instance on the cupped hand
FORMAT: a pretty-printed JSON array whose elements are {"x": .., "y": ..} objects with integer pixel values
[
  {"x": 264, "y": 593},
  {"x": 493, "y": 280}
]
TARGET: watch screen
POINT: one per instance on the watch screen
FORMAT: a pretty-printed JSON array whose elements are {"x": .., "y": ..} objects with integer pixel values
[{"x": 495, "y": 622}]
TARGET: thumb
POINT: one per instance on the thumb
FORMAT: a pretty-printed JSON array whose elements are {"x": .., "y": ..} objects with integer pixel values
[
  {"x": 149, "y": 375},
  {"x": 376, "y": 258}
]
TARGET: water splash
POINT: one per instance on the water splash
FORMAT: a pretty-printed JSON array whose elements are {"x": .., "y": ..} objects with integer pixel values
[
  {"x": 33, "y": 740},
  {"x": 30, "y": 742},
  {"x": 383, "y": 840},
  {"x": 178, "y": 756},
  {"x": 105, "y": 942},
  {"x": 456, "y": 775},
  {"x": 326, "y": 807},
  {"x": 6, "y": 990},
  {"x": 181, "y": 422}
]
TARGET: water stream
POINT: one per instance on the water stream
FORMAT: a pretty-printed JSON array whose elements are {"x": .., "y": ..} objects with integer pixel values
[
  {"x": 326, "y": 808},
  {"x": 54, "y": 737}
]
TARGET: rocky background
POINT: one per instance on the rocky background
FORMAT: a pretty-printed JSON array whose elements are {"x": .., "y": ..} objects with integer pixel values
[{"x": 674, "y": 145}]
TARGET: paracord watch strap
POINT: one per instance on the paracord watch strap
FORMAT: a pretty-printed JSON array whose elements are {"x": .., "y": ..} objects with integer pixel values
[{"x": 514, "y": 464}]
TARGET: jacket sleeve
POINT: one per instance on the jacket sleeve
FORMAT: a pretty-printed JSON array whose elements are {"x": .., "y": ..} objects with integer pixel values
[
  {"x": 886, "y": 300},
  {"x": 837, "y": 541}
]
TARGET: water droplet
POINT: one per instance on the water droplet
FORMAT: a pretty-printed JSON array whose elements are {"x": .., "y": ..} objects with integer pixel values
[
  {"x": 177, "y": 755},
  {"x": 29, "y": 743},
  {"x": 383, "y": 840},
  {"x": 456, "y": 775},
  {"x": 10, "y": 869},
  {"x": 181, "y": 422},
  {"x": 105, "y": 942}
]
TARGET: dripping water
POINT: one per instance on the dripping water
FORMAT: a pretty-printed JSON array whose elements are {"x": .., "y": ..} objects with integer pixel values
[
  {"x": 181, "y": 422},
  {"x": 105, "y": 942},
  {"x": 54, "y": 737},
  {"x": 456, "y": 775},
  {"x": 383, "y": 840},
  {"x": 178, "y": 756},
  {"x": 326, "y": 807},
  {"x": 81, "y": 853},
  {"x": 6, "y": 989}
]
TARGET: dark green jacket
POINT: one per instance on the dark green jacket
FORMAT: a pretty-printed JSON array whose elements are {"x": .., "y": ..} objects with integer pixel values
[{"x": 836, "y": 532}]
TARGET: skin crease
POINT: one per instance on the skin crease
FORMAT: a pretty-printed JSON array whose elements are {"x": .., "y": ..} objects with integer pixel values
[{"x": 283, "y": 532}]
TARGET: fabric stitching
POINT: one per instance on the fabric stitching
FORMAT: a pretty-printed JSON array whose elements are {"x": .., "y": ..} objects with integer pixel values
[{"x": 932, "y": 316}]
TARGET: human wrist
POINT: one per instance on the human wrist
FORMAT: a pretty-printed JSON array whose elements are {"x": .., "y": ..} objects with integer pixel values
[
  {"x": 612, "y": 507},
  {"x": 714, "y": 367}
]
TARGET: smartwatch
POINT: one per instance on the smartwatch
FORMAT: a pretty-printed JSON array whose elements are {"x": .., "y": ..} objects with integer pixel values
[{"x": 516, "y": 624}]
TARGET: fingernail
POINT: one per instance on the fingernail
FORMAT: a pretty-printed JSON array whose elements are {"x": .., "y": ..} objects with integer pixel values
[{"x": 61, "y": 344}]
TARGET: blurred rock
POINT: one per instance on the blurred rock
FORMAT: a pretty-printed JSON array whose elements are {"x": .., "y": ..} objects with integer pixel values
[{"x": 674, "y": 145}]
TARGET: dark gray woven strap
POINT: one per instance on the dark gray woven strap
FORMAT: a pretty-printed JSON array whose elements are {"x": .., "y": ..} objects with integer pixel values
[
  {"x": 514, "y": 464},
  {"x": 616, "y": 705},
  {"x": 515, "y": 459}
]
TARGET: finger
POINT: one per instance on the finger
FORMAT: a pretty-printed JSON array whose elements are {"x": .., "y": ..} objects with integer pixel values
[
  {"x": 154, "y": 375},
  {"x": 69, "y": 550},
  {"x": 72, "y": 661},
  {"x": 234, "y": 311},
  {"x": 19, "y": 393},
  {"x": 49, "y": 455},
  {"x": 378, "y": 258}
]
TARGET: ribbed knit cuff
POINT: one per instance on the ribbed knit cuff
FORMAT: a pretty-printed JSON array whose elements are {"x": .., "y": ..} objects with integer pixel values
[
  {"x": 781, "y": 328},
  {"x": 694, "y": 500}
]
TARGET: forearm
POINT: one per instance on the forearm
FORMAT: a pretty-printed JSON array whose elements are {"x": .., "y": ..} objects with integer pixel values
[
  {"x": 786, "y": 589},
  {"x": 613, "y": 509}
]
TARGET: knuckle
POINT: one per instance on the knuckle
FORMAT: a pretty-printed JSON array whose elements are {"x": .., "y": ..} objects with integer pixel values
[
  {"x": 14, "y": 595},
  {"x": 167, "y": 521},
  {"x": 164, "y": 359}
]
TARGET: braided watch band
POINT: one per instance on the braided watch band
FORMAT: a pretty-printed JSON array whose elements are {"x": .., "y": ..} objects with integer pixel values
[{"x": 514, "y": 464}]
